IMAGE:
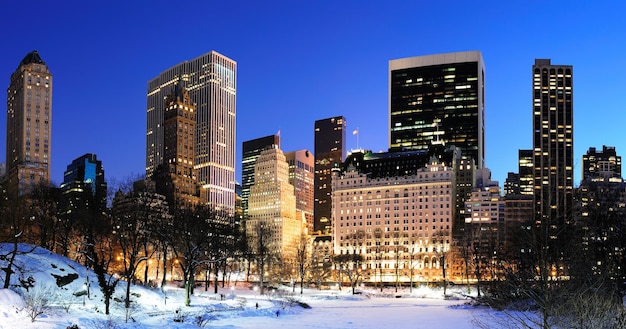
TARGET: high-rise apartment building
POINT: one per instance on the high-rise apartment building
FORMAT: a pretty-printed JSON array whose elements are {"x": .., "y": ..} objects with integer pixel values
[
  {"x": 250, "y": 151},
  {"x": 29, "y": 114},
  {"x": 302, "y": 177},
  {"x": 604, "y": 164},
  {"x": 176, "y": 177},
  {"x": 211, "y": 81},
  {"x": 330, "y": 143},
  {"x": 438, "y": 98},
  {"x": 553, "y": 141},
  {"x": 272, "y": 205}
]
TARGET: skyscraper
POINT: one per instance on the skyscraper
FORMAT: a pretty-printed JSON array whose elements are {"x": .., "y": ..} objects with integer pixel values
[
  {"x": 176, "y": 177},
  {"x": 211, "y": 82},
  {"x": 438, "y": 98},
  {"x": 330, "y": 143},
  {"x": 302, "y": 177},
  {"x": 553, "y": 143},
  {"x": 29, "y": 113},
  {"x": 250, "y": 152}
]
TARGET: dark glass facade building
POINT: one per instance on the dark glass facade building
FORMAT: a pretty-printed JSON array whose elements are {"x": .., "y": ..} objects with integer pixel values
[
  {"x": 438, "y": 98},
  {"x": 553, "y": 141},
  {"x": 330, "y": 143},
  {"x": 83, "y": 181},
  {"x": 250, "y": 152}
]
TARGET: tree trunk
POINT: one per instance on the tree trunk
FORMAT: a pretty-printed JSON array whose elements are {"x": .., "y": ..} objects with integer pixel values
[
  {"x": 163, "y": 282},
  {"x": 215, "y": 279}
]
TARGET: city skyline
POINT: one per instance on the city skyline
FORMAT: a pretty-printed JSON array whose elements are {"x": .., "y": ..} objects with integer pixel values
[{"x": 305, "y": 63}]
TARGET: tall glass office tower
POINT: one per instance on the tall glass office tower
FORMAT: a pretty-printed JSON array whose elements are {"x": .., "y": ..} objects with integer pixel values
[
  {"x": 438, "y": 99},
  {"x": 211, "y": 80}
]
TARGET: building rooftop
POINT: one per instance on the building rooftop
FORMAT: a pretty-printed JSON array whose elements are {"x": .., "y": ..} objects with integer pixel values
[{"x": 32, "y": 58}]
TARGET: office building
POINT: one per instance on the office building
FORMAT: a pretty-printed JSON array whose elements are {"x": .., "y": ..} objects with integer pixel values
[
  {"x": 330, "y": 144},
  {"x": 272, "y": 205},
  {"x": 250, "y": 151},
  {"x": 29, "y": 125},
  {"x": 211, "y": 82},
  {"x": 553, "y": 143},
  {"x": 84, "y": 183},
  {"x": 438, "y": 98},
  {"x": 302, "y": 177}
]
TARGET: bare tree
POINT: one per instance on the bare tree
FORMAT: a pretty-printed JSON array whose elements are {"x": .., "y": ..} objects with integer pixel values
[
  {"x": 38, "y": 300},
  {"x": 321, "y": 262},
  {"x": 191, "y": 242},
  {"x": 350, "y": 266},
  {"x": 261, "y": 249},
  {"x": 441, "y": 245},
  {"x": 302, "y": 259},
  {"x": 13, "y": 226}
]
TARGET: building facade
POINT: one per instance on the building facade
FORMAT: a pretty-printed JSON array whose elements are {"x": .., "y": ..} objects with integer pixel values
[
  {"x": 211, "y": 80},
  {"x": 29, "y": 125},
  {"x": 401, "y": 225},
  {"x": 604, "y": 164},
  {"x": 272, "y": 206},
  {"x": 553, "y": 141},
  {"x": 176, "y": 177},
  {"x": 438, "y": 98},
  {"x": 85, "y": 175},
  {"x": 330, "y": 144},
  {"x": 250, "y": 151},
  {"x": 302, "y": 177}
]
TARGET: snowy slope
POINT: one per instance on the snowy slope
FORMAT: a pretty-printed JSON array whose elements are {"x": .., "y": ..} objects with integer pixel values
[{"x": 424, "y": 308}]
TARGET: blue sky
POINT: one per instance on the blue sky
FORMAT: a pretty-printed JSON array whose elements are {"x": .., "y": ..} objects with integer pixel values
[{"x": 299, "y": 61}]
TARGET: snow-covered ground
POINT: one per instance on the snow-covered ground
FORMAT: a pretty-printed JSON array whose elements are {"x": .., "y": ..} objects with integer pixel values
[{"x": 424, "y": 308}]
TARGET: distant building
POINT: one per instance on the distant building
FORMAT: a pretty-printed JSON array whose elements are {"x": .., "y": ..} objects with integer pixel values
[
  {"x": 511, "y": 184},
  {"x": 330, "y": 148},
  {"x": 176, "y": 177},
  {"x": 29, "y": 115},
  {"x": 526, "y": 172},
  {"x": 604, "y": 164},
  {"x": 406, "y": 163},
  {"x": 84, "y": 183},
  {"x": 438, "y": 98},
  {"x": 302, "y": 176},
  {"x": 553, "y": 141},
  {"x": 402, "y": 222},
  {"x": 522, "y": 181},
  {"x": 272, "y": 205},
  {"x": 485, "y": 229},
  {"x": 211, "y": 80},
  {"x": 250, "y": 152},
  {"x": 151, "y": 213},
  {"x": 601, "y": 209}
]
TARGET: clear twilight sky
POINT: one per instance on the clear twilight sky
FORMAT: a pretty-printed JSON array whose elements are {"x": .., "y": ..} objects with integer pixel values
[{"x": 300, "y": 61}]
